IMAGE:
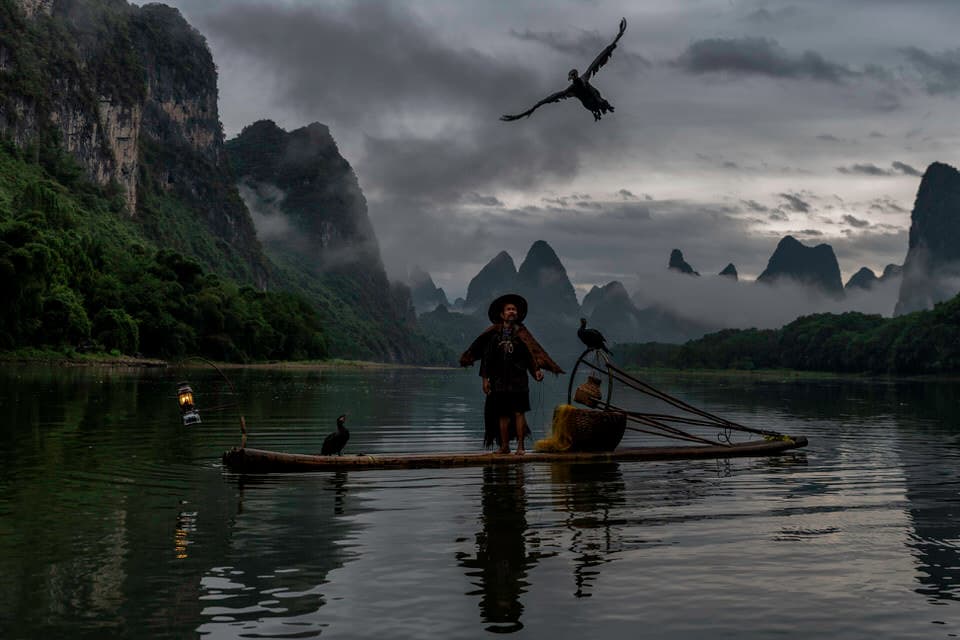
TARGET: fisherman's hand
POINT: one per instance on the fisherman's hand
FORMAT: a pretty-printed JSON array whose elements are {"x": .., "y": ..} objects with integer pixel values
[
  {"x": 486, "y": 386},
  {"x": 538, "y": 375}
]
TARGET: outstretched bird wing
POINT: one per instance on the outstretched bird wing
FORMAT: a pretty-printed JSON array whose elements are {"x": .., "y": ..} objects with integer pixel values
[
  {"x": 554, "y": 97},
  {"x": 601, "y": 59}
]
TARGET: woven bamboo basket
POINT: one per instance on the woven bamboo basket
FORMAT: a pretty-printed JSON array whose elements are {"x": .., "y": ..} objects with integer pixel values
[{"x": 577, "y": 429}]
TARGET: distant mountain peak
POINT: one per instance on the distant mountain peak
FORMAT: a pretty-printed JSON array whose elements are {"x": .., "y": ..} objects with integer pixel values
[
  {"x": 497, "y": 277},
  {"x": 865, "y": 278},
  {"x": 677, "y": 263},
  {"x": 729, "y": 271},
  {"x": 813, "y": 266}
]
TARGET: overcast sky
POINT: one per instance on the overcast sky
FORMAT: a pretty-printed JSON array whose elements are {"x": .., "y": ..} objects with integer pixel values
[{"x": 737, "y": 122}]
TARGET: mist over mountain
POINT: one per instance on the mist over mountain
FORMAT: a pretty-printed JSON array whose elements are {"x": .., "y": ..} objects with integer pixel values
[
  {"x": 307, "y": 195},
  {"x": 610, "y": 308},
  {"x": 931, "y": 270},
  {"x": 426, "y": 295}
]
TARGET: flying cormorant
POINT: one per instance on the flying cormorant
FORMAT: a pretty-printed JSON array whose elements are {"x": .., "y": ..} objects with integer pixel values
[
  {"x": 334, "y": 443},
  {"x": 591, "y": 337},
  {"x": 580, "y": 86}
]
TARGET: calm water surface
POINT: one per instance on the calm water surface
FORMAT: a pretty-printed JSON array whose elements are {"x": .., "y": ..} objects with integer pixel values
[{"x": 115, "y": 521}]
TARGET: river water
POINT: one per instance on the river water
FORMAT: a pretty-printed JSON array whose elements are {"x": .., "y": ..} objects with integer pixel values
[{"x": 116, "y": 521}]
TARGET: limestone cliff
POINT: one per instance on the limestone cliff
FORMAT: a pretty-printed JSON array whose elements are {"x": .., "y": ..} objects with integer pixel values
[
  {"x": 931, "y": 270},
  {"x": 131, "y": 93}
]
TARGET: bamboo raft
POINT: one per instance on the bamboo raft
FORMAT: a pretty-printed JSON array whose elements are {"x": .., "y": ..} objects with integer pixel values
[{"x": 247, "y": 460}]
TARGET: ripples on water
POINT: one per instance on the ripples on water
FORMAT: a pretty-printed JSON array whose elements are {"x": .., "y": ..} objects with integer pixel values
[{"x": 116, "y": 520}]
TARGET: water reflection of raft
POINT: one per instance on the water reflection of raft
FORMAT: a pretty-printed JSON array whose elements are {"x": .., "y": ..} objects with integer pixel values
[{"x": 249, "y": 460}]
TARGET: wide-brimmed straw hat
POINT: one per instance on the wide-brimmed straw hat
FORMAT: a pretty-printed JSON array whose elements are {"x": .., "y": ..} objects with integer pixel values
[{"x": 510, "y": 298}]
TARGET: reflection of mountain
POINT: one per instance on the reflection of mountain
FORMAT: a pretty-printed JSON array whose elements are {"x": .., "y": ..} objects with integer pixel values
[{"x": 502, "y": 561}]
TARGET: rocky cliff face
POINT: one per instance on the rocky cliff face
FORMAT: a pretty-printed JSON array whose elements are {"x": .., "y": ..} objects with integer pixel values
[
  {"x": 131, "y": 93},
  {"x": 813, "y": 266},
  {"x": 931, "y": 270}
]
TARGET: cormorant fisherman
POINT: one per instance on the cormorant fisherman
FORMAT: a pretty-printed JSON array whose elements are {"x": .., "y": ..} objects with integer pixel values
[
  {"x": 507, "y": 352},
  {"x": 591, "y": 337},
  {"x": 580, "y": 86},
  {"x": 334, "y": 443}
]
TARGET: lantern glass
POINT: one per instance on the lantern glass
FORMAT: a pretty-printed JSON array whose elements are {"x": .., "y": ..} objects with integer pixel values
[{"x": 185, "y": 396}]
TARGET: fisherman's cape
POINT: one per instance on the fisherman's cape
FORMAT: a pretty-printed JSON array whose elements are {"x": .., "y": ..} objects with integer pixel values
[
  {"x": 475, "y": 352},
  {"x": 540, "y": 358}
]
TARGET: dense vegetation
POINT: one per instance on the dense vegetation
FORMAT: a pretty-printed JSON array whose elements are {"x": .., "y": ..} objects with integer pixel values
[
  {"x": 76, "y": 271},
  {"x": 924, "y": 342}
]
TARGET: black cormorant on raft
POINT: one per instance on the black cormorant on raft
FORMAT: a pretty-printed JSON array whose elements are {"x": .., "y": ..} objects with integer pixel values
[
  {"x": 334, "y": 443},
  {"x": 246, "y": 460},
  {"x": 580, "y": 86}
]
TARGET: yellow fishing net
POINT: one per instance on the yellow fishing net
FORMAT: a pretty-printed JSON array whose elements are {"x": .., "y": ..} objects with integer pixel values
[{"x": 561, "y": 431}]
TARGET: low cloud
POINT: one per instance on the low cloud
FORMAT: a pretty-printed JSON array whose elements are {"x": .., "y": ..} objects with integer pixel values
[
  {"x": 865, "y": 169},
  {"x": 795, "y": 203},
  {"x": 584, "y": 45},
  {"x": 473, "y": 197},
  {"x": 870, "y": 169},
  {"x": 747, "y": 304},
  {"x": 906, "y": 169},
  {"x": 939, "y": 72},
  {"x": 758, "y": 56},
  {"x": 855, "y": 222}
]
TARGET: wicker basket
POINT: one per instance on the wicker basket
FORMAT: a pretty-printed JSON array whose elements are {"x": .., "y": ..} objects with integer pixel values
[{"x": 577, "y": 429}]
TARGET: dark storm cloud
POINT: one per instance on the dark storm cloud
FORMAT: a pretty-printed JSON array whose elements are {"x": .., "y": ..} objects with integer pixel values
[
  {"x": 766, "y": 16},
  {"x": 886, "y": 205},
  {"x": 361, "y": 61},
  {"x": 828, "y": 137},
  {"x": 795, "y": 203},
  {"x": 758, "y": 56},
  {"x": 940, "y": 72},
  {"x": 905, "y": 169},
  {"x": 473, "y": 197},
  {"x": 585, "y": 46},
  {"x": 855, "y": 222},
  {"x": 870, "y": 169},
  {"x": 372, "y": 65},
  {"x": 626, "y": 194},
  {"x": 753, "y": 205},
  {"x": 865, "y": 169}
]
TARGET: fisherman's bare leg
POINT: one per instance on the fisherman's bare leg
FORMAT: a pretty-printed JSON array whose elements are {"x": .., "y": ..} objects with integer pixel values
[
  {"x": 521, "y": 431},
  {"x": 504, "y": 435}
]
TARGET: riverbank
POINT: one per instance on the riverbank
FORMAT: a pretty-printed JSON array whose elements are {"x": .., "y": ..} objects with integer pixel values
[{"x": 78, "y": 359}]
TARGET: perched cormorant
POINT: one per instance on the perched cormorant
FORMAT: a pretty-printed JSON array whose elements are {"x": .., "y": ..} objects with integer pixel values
[
  {"x": 580, "y": 86},
  {"x": 591, "y": 337},
  {"x": 334, "y": 443}
]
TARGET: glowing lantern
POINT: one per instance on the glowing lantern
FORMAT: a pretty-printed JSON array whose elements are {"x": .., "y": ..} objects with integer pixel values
[{"x": 188, "y": 412}]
